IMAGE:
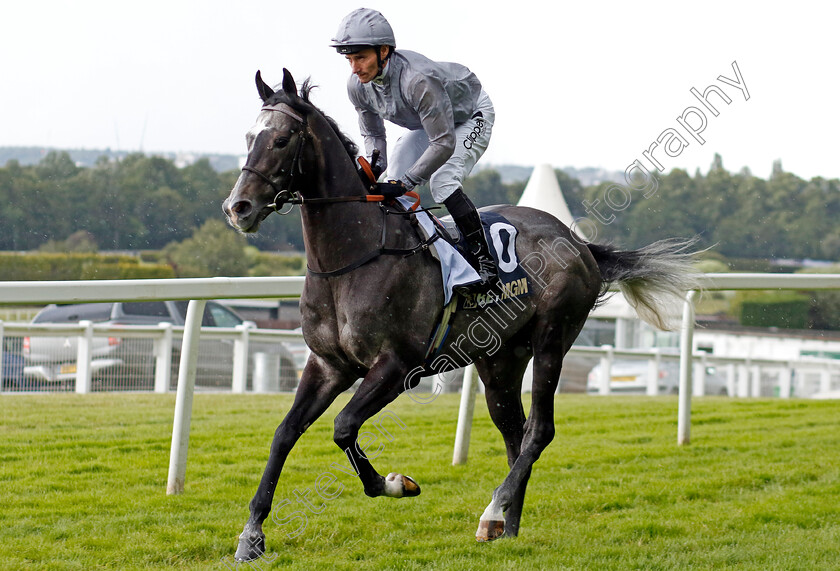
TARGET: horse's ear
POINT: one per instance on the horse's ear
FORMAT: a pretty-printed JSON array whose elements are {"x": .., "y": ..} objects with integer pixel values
[
  {"x": 289, "y": 85},
  {"x": 262, "y": 87}
]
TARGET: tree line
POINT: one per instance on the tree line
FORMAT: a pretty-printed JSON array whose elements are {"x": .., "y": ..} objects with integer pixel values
[
  {"x": 138, "y": 203},
  {"x": 146, "y": 203},
  {"x": 734, "y": 215}
]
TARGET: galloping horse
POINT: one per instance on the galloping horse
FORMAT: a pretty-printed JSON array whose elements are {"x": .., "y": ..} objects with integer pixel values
[{"x": 368, "y": 313}]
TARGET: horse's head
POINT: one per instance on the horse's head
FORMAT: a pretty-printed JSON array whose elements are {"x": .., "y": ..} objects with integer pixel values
[{"x": 275, "y": 153}]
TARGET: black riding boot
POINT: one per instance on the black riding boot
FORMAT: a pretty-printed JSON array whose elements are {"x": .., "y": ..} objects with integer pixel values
[{"x": 466, "y": 217}]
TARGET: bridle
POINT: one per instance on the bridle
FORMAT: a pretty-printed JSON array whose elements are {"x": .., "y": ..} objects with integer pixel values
[
  {"x": 292, "y": 197},
  {"x": 285, "y": 195}
]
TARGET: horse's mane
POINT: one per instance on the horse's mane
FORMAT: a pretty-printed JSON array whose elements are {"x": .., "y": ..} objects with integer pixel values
[{"x": 304, "y": 105}]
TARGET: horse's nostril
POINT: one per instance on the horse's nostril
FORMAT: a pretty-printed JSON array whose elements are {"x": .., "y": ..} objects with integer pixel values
[{"x": 241, "y": 207}]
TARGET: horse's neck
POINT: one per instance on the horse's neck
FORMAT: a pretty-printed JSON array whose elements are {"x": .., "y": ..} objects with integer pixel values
[{"x": 337, "y": 234}]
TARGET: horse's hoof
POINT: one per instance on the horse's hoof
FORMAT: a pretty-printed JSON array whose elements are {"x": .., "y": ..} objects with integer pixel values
[
  {"x": 488, "y": 530},
  {"x": 251, "y": 544},
  {"x": 399, "y": 486}
]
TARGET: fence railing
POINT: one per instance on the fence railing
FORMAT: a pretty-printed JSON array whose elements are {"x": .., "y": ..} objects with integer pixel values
[
  {"x": 742, "y": 376},
  {"x": 198, "y": 290},
  {"x": 234, "y": 355},
  {"x": 728, "y": 282}
]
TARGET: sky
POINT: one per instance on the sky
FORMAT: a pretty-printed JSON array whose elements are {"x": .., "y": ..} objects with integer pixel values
[{"x": 581, "y": 84}]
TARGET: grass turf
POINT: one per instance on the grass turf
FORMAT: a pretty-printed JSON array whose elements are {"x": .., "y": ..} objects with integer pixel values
[{"x": 83, "y": 477}]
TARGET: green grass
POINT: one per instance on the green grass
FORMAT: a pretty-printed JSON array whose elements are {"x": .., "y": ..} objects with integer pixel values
[{"x": 82, "y": 486}]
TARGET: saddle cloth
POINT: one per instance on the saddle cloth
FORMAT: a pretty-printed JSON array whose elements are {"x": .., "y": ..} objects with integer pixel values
[{"x": 456, "y": 271}]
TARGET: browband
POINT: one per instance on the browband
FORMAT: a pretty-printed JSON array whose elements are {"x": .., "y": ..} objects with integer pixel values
[{"x": 284, "y": 109}]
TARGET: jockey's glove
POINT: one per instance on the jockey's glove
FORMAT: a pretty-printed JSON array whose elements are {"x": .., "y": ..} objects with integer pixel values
[
  {"x": 391, "y": 189},
  {"x": 377, "y": 170},
  {"x": 365, "y": 177},
  {"x": 369, "y": 171}
]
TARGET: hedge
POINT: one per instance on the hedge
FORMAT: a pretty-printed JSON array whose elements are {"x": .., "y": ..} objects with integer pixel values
[
  {"x": 784, "y": 310},
  {"x": 52, "y": 267},
  {"x": 273, "y": 264}
]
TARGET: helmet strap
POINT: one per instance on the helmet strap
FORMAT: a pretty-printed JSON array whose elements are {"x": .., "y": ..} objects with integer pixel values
[{"x": 379, "y": 61}]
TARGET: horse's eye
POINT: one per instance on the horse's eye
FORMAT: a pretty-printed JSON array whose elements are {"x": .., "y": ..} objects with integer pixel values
[{"x": 280, "y": 142}]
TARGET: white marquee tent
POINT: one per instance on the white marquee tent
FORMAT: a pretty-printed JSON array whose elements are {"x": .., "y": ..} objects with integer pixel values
[{"x": 544, "y": 193}]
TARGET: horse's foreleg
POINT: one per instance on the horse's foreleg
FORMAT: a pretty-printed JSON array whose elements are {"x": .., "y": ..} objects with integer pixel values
[
  {"x": 318, "y": 388},
  {"x": 383, "y": 383}
]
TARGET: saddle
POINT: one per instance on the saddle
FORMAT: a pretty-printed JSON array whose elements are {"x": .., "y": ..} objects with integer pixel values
[
  {"x": 446, "y": 244},
  {"x": 445, "y": 228},
  {"x": 501, "y": 236}
]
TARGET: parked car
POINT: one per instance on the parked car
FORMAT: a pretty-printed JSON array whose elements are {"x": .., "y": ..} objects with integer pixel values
[
  {"x": 11, "y": 365},
  {"x": 128, "y": 362},
  {"x": 630, "y": 376}
]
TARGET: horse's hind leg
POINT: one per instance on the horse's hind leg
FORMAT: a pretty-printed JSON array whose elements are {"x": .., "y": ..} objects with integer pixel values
[
  {"x": 550, "y": 340},
  {"x": 502, "y": 378},
  {"x": 538, "y": 433}
]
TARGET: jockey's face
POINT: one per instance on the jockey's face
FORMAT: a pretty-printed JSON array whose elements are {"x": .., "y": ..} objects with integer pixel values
[{"x": 364, "y": 63}]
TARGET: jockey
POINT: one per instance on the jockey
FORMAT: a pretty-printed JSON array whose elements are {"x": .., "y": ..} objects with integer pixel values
[{"x": 447, "y": 113}]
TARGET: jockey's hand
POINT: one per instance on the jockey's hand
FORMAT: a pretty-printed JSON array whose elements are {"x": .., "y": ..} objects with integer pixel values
[
  {"x": 365, "y": 177},
  {"x": 391, "y": 189},
  {"x": 375, "y": 169},
  {"x": 376, "y": 164}
]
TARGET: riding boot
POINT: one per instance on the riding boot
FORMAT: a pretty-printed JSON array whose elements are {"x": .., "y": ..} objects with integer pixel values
[{"x": 468, "y": 221}]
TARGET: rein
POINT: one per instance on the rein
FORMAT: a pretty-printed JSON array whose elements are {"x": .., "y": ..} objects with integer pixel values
[{"x": 286, "y": 196}]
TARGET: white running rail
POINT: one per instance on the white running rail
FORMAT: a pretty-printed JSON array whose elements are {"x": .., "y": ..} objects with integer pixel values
[{"x": 198, "y": 290}]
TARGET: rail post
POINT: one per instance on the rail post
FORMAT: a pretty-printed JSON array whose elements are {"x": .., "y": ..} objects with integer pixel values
[
  {"x": 184, "y": 398},
  {"x": 240, "y": 358},
  {"x": 654, "y": 364},
  {"x": 699, "y": 382},
  {"x": 755, "y": 380},
  {"x": 606, "y": 370},
  {"x": 83, "y": 357},
  {"x": 163, "y": 358},
  {"x": 686, "y": 366},
  {"x": 465, "y": 417},
  {"x": 786, "y": 381},
  {"x": 744, "y": 379},
  {"x": 731, "y": 380}
]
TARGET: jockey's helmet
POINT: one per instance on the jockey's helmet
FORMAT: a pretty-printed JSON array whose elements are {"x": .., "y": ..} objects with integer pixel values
[{"x": 363, "y": 28}]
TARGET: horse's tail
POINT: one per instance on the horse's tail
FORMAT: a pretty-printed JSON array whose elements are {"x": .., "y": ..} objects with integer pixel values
[{"x": 654, "y": 279}]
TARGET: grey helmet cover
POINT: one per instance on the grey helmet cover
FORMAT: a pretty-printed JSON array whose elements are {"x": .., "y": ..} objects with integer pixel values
[{"x": 363, "y": 28}]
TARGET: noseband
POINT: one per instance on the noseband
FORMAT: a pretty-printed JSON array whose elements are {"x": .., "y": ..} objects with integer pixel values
[{"x": 285, "y": 195}]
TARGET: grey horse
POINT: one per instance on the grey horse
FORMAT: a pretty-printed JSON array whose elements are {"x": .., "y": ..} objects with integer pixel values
[{"x": 368, "y": 313}]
